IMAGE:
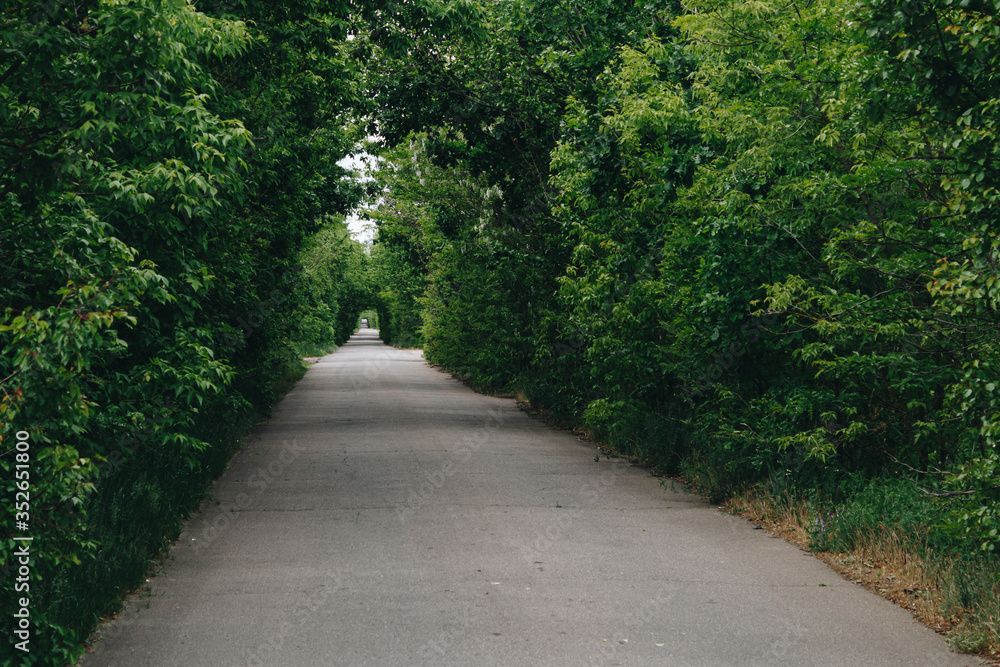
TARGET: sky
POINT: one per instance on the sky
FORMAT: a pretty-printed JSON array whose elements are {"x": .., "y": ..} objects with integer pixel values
[{"x": 360, "y": 229}]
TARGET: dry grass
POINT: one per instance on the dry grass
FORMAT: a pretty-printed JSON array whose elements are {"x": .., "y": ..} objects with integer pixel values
[
  {"x": 882, "y": 563},
  {"x": 786, "y": 519}
]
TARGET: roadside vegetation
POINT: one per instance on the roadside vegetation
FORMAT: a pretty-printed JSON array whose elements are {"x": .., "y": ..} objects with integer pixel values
[{"x": 752, "y": 244}]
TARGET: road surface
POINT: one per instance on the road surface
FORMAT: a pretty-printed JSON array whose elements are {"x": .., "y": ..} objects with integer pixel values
[{"x": 388, "y": 515}]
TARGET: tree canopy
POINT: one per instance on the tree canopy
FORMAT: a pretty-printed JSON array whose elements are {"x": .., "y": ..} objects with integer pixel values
[{"x": 754, "y": 244}]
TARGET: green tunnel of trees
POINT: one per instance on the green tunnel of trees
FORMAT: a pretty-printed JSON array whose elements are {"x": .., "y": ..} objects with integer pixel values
[{"x": 751, "y": 243}]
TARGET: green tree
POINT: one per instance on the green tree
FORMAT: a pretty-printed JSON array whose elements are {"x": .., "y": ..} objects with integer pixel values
[
  {"x": 165, "y": 170},
  {"x": 942, "y": 62},
  {"x": 115, "y": 168}
]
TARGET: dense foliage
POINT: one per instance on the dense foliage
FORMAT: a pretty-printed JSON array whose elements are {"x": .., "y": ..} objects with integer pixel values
[
  {"x": 167, "y": 201},
  {"x": 754, "y": 243}
]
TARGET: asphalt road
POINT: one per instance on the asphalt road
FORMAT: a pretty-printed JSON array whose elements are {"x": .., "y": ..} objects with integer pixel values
[{"x": 388, "y": 515}]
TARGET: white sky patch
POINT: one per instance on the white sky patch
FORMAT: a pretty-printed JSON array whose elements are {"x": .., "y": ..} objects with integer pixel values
[{"x": 361, "y": 230}]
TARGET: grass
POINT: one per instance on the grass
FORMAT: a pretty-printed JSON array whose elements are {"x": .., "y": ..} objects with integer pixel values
[
  {"x": 314, "y": 350},
  {"x": 883, "y": 537},
  {"x": 284, "y": 382}
]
